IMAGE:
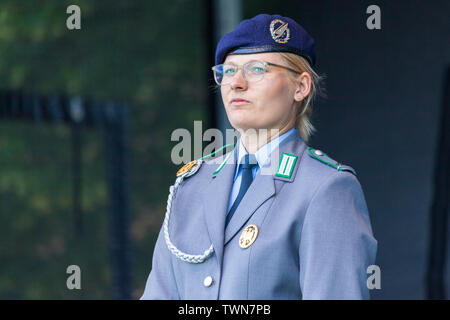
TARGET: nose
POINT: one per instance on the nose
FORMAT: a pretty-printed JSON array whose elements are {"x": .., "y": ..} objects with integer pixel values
[{"x": 238, "y": 82}]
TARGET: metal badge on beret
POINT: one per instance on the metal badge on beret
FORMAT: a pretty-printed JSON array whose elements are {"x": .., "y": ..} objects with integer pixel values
[
  {"x": 280, "y": 31},
  {"x": 248, "y": 236},
  {"x": 188, "y": 166}
]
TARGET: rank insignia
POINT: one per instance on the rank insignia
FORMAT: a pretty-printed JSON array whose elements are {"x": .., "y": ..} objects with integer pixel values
[
  {"x": 286, "y": 165},
  {"x": 248, "y": 236}
]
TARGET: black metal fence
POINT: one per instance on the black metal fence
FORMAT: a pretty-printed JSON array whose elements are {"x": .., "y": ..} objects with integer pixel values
[{"x": 79, "y": 113}]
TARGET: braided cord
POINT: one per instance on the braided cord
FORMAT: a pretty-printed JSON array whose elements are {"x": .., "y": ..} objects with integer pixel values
[{"x": 190, "y": 258}]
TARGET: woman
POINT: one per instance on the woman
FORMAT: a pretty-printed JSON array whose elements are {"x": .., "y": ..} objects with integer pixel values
[{"x": 272, "y": 218}]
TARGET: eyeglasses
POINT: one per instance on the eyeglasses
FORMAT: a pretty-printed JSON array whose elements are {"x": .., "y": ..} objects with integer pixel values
[{"x": 252, "y": 71}]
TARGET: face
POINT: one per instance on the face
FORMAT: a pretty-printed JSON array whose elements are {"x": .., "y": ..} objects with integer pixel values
[{"x": 265, "y": 104}]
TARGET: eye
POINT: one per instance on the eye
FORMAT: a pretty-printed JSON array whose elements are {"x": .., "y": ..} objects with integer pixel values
[
  {"x": 256, "y": 68},
  {"x": 229, "y": 70}
]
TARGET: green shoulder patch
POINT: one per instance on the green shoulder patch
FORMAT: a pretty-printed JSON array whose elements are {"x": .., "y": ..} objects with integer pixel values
[{"x": 324, "y": 158}]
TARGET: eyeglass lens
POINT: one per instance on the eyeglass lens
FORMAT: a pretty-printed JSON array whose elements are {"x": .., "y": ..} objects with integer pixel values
[{"x": 252, "y": 71}]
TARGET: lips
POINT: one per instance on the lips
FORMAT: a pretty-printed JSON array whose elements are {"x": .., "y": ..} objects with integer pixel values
[{"x": 239, "y": 101}]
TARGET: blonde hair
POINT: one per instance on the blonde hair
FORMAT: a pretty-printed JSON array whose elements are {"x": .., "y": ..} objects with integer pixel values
[{"x": 304, "y": 107}]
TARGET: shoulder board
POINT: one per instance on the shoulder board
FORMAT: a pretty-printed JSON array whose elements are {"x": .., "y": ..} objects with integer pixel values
[
  {"x": 192, "y": 167},
  {"x": 324, "y": 158},
  {"x": 187, "y": 167}
]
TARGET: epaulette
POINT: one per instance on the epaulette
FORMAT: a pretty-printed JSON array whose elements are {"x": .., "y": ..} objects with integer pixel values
[
  {"x": 187, "y": 167},
  {"x": 192, "y": 167},
  {"x": 324, "y": 158}
]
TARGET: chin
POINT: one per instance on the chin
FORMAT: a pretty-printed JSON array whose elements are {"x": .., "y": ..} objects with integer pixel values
[
  {"x": 238, "y": 125},
  {"x": 245, "y": 119},
  {"x": 245, "y": 125}
]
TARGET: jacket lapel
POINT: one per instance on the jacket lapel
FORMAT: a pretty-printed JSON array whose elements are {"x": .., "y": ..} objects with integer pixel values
[
  {"x": 215, "y": 201},
  {"x": 261, "y": 189}
]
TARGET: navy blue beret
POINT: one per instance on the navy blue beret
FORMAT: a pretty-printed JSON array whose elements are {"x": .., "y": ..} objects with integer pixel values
[{"x": 267, "y": 33}]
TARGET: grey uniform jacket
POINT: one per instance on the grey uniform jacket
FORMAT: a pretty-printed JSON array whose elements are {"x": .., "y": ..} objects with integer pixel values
[{"x": 315, "y": 239}]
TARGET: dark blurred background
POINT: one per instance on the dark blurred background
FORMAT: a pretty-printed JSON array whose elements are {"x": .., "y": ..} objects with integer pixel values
[{"x": 382, "y": 115}]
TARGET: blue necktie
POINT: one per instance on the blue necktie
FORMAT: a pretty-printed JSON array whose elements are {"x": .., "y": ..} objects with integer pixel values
[{"x": 249, "y": 161}]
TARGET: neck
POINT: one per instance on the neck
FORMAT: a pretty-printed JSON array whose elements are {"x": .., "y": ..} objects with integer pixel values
[{"x": 254, "y": 139}]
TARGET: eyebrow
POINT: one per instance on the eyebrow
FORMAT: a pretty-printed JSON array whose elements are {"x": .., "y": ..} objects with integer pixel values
[
  {"x": 254, "y": 59},
  {"x": 233, "y": 62}
]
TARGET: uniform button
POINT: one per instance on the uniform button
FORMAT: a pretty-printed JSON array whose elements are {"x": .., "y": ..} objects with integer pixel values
[
  {"x": 318, "y": 152},
  {"x": 208, "y": 281}
]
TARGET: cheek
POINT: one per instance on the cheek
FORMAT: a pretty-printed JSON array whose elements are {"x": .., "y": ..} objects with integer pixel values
[
  {"x": 276, "y": 97},
  {"x": 226, "y": 94},
  {"x": 223, "y": 93}
]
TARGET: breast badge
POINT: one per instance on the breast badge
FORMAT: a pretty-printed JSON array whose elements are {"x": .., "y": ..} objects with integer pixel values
[{"x": 248, "y": 236}]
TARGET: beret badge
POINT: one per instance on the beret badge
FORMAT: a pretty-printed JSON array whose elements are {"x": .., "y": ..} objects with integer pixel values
[
  {"x": 267, "y": 33},
  {"x": 280, "y": 31}
]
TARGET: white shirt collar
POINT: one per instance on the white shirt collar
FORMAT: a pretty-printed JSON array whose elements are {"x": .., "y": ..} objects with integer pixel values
[{"x": 263, "y": 153}]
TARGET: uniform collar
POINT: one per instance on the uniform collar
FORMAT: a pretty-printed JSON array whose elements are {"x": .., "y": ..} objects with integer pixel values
[{"x": 263, "y": 153}]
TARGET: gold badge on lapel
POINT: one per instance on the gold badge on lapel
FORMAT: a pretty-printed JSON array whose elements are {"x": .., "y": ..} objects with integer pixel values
[
  {"x": 248, "y": 236},
  {"x": 188, "y": 166}
]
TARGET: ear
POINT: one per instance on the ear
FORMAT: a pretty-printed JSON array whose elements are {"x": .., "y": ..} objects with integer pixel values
[{"x": 303, "y": 86}]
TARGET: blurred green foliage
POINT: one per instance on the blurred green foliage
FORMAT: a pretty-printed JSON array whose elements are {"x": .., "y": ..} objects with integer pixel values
[{"x": 150, "y": 54}]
